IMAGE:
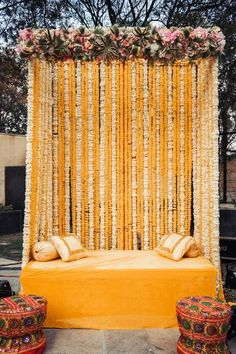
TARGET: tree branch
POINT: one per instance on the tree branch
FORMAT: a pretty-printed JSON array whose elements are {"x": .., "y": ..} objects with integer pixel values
[
  {"x": 11, "y": 5},
  {"x": 148, "y": 12},
  {"x": 78, "y": 13},
  {"x": 111, "y": 12}
]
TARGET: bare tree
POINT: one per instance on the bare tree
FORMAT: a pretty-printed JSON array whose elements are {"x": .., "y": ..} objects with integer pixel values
[{"x": 16, "y": 14}]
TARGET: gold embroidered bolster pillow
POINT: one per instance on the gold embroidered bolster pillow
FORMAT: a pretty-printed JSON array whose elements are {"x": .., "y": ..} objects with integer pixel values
[
  {"x": 69, "y": 248},
  {"x": 44, "y": 251},
  {"x": 176, "y": 246}
]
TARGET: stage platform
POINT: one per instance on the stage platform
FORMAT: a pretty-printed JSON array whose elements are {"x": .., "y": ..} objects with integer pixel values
[{"x": 117, "y": 289}]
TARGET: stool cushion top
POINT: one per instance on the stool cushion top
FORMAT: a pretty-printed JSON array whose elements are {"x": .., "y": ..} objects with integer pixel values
[
  {"x": 22, "y": 304},
  {"x": 203, "y": 306},
  {"x": 21, "y": 315}
]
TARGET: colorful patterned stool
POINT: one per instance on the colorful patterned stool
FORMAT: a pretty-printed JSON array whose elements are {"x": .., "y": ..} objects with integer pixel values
[
  {"x": 21, "y": 321},
  {"x": 203, "y": 323}
]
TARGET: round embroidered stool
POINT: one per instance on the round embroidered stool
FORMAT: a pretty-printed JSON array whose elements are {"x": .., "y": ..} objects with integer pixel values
[
  {"x": 203, "y": 323},
  {"x": 21, "y": 321}
]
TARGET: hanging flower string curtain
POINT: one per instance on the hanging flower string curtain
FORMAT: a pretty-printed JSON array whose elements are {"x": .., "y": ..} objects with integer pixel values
[
  {"x": 151, "y": 43},
  {"x": 118, "y": 150}
]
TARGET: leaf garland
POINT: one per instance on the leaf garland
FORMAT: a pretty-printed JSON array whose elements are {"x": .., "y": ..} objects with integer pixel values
[{"x": 106, "y": 44}]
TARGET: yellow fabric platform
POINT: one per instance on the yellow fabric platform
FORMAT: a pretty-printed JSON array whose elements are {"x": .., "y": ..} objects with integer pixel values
[{"x": 117, "y": 289}]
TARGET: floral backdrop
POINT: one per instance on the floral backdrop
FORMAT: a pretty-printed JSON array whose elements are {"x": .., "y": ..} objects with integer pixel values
[{"x": 122, "y": 149}]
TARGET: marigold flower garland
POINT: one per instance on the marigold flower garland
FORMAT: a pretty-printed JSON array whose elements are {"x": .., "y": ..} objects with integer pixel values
[
  {"x": 170, "y": 151},
  {"x": 215, "y": 256},
  {"x": 107, "y": 147},
  {"x": 49, "y": 222},
  {"x": 61, "y": 149},
  {"x": 205, "y": 152},
  {"x": 182, "y": 160},
  {"x": 90, "y": 159},
  {"x": 114, "y": 155},
  {"x": 102, "y": 156},
  {"x": 145, "y": 159},
  {"x": 84, "y": 169},
  {"x": 140, "y": 156},
  {"x": 134, "y": 151},
  {"x": 78, "y": 149},
  {"x": 157, "y": 115},
  {"x": 41, "y": 146},
  {"x": 128, "y": 179},
  {"x": 55, "y": 218},
  {"x": 96, "y": 158},
  {"x": 194, "y": 155},
  {"x": 72, "y": 110},
  {"x": 32, "y": 75},
  {"x": 67, "y": 148},
  {"x": 151, "y": 155}
]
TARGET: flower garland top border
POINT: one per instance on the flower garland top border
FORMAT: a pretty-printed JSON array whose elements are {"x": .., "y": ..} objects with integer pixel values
[{"x": 150, "y": 43}]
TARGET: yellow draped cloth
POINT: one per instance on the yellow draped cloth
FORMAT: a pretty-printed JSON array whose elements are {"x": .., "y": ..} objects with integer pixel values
[{"x": 117, "y": 289}]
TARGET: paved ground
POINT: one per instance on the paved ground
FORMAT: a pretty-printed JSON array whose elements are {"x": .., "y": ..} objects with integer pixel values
[
  {"x": 152, "y": 341},
  {"x": 11, "y": 246},
  {"x": 81, "y": 341}
]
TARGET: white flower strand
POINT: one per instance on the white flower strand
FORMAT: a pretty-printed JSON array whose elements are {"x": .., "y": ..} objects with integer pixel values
[
  {"x": 114, "y": 156},
  {"x": 102, "y": 156},
  {"x": 28, "y": 190},
  {"x": 145, "y": 156},
  {"x": 170, "y": 151},
  {"x": 134, "y": 161},
  {"x": 215, "y": 174},
  {"x": 39, "y": 154},
  {"x": 90, "y": 158},
  {"x": 194, "y": 156},
  {"x": 42, "y": 156},
  {"x": 67, "y": 150},
  {"x": 78, "y": 149},
  {"x": 182, "y": 148},
  {"x": 55, "y": 152},
  {"x": 205, "y": 158},
  {"x": 158, "y": 201}
]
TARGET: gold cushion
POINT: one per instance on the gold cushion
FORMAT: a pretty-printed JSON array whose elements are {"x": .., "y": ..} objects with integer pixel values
[
  {"x": 193, "y": 251},
  {"x": 44, "y": 251},
  {"x": 69, "y": 248},
  {"x": 175, "y": 246}
]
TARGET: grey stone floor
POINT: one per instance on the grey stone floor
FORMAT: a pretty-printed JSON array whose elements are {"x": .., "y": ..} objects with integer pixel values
[
  {"x": 82, "y": 341},
  {"x": 73, "y": 341},
  {"x": 79, "y": 341}
]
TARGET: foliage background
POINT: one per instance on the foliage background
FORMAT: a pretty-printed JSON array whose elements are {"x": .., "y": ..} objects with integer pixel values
[{"x": 18, "y": 14}]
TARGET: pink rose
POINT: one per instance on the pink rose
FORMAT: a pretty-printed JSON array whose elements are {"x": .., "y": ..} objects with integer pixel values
[
  {"x": 165, "y": 34},
  {"x": 26, "y": 34},
  {"x": 19, "y": 49},
  {"x": 112, "y": 36},
  {"x": 87, "y": 45},
  {"x": 73, "y": 35},
  {"x": 126, "y": 42},
  {"x": 57, "y": 33},
  {"x": 174, "y": 35},
  {"x": 200, "y": 33}
]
